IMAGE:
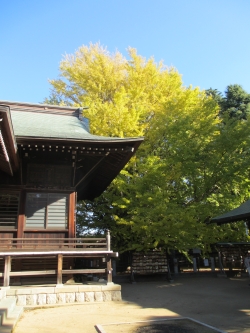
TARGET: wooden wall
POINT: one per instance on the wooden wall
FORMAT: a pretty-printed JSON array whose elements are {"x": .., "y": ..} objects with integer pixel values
[{"x": 20, "y": 231}]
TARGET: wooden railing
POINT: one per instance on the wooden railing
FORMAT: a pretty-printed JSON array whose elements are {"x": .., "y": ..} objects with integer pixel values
[
  {"x": 56, "y": 247},
  {"x": 88, "y": 244}
]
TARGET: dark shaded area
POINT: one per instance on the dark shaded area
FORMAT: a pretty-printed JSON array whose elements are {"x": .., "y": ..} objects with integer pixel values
[
  {"x": 163, "y": 328},
  {"x": 219, "y": 302},
  {"x": 174, "y": 326},
  {"x": 184, "y": 325}
]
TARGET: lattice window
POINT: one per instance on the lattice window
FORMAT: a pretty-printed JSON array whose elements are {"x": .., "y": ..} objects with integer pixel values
[
  {"x": 50, "y": 175},
  {"x": 46, "y": 211},
  {"x": 9, "y": 205}
]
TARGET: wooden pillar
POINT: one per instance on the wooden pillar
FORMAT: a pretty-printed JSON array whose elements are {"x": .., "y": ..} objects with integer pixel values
[
  {"x": 7, "y": 269},
  {"x": 71, "y": 227},
  {"x": 59, "y": 268},
  {"x": 108, "y": 240},
  {"x": 21, "y": 215},
  {"x": 72, "y": 208},
  {"x": 109, "y": 270},
  {"x": 109, "y": 265},
  {"x": 20, "y": 231}
]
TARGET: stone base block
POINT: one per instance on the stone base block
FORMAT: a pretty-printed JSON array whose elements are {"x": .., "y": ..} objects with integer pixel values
[{"x": 41, "y": 296}]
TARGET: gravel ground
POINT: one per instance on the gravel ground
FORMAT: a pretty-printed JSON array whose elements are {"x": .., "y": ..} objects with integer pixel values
[{"x": 219, "y": 302}]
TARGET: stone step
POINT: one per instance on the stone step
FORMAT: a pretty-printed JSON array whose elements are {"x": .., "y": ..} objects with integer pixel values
[
  {"x": 9, "y": 314},
  {"x": 7, "y": 305}
]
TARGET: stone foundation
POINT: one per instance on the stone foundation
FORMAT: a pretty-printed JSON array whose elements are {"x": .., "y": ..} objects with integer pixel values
[
  {"x": 2, "y": 294},
  {"x": 66, "y": 294}
]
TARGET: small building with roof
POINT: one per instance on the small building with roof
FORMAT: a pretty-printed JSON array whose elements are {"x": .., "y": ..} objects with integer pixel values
[
  {"x": 48, "y": 161},
  {"x": 231, "y": 252}
]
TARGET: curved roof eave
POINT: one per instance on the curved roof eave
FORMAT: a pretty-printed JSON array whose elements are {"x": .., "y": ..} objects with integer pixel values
[
  {"x": 240, "y": 213},
  {"x": 94, "y": 139}
]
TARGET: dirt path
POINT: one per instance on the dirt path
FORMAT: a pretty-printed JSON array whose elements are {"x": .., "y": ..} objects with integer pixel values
[{"x": 221, "y": 303}]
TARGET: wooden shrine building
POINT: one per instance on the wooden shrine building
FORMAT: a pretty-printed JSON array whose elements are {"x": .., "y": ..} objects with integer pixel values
[{"x": 48, "y": 161}]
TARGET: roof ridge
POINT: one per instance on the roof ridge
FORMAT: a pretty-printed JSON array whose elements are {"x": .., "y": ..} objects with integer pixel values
[{"x": 40, "y": 105}]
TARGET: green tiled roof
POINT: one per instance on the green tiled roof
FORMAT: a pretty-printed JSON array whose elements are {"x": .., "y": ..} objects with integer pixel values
[
  {"x": 237, "y": 214},
  {"x": 44, "y": 125}
]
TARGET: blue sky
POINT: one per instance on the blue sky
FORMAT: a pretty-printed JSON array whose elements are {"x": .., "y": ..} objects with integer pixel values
[{"x": 207, "y": 41}]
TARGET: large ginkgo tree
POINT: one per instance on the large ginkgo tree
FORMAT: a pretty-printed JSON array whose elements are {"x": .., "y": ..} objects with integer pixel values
[{"x": 193, "y": 164}]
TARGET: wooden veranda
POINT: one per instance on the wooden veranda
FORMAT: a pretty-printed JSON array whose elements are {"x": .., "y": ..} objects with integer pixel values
[{"x": 59, "y": 248}]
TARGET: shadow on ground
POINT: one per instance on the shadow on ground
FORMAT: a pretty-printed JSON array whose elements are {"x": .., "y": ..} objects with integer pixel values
[{"x": 223, "y": 303}]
